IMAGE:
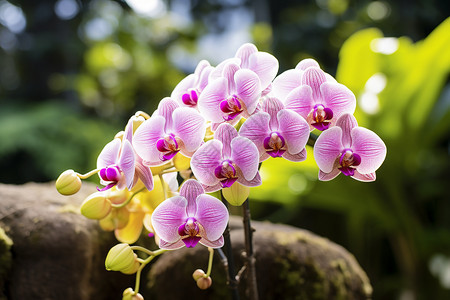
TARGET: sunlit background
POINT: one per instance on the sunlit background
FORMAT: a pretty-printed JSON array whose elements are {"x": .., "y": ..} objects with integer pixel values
[{"x": 73, "y": 71}]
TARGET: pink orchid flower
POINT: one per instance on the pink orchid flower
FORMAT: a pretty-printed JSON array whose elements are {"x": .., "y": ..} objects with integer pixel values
[
  {"x": 277, "y": 132},
  {"x": 319, "y": 100},
  {"x": 120, "y": 165},
  {"x": 170, "y": 130},
  {"x": 226, "y": 159},
  {"x": 349, "y": 149},
  {"x": 190, "y": 218},
  {"x": 228, "y": 98},
  {"x": 264, "y": 64},
  {"x": 187, "y": 92}
]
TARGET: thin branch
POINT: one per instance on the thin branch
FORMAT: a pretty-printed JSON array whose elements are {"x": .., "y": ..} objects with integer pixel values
[{"x": 250, "y": 259}]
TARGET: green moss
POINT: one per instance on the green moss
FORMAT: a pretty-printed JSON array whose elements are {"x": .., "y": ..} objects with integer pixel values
[{"x": 5, "y": 260}]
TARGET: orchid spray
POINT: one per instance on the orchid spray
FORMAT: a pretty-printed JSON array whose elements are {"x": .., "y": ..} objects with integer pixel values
[{"x": 212, "y": 134}]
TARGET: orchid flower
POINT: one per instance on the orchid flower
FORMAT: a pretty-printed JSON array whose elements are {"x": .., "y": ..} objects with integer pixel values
[
  {"x": 189, "y": 89},
  {"x": 320, "y": 101},
  {"x": 265, "y": 65},
  {"x": 170, "y": 130},
  {"x": 226, "y": 159},
  {"x": 190, "y": 218},
  {"x": 228, "y": 98},
  {"x": 349, "y": 149},
  {"x": 277, "y": 132}
]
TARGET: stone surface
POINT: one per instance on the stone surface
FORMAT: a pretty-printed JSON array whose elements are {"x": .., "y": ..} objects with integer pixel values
[{"x": 57, "y": 252}]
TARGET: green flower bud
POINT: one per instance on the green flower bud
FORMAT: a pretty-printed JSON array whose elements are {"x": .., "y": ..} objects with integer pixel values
[
  {"x": 236, "y": 194},
  {"x": 96, "y": 206},
  {"x": 122, "y": 258},
  {"x": 68, "y": 183}
]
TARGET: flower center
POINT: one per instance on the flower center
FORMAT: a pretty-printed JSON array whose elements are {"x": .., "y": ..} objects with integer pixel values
[
  {"x": 321, "y": 117},
  {"x": 348, "y": 161},
  {"x": 226, "y": 173},
  {"x": 190, "y": 98},
  {"x": 190, "y": 232},
  {"x": 231, "y": 107},
  {"x": 111, "y": 174},
  {"x": 168, "y": 146},
  {"x": 275, "y": 144}
]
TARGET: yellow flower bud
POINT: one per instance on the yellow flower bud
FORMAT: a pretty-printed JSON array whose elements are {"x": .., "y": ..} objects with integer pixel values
[
  {"x": 204, "y": 282},
  {"x": 236, "y": 194},
  {"x": 116, "y": 196},
  {"x": 122, "y": 258},
  {"x": 68, "y": 183},
  {"x": 95, "y": 206},
  {"x": 117, "y": 218}
]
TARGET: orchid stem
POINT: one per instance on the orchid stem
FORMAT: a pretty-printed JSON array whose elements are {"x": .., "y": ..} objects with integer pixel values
[
  {"x": 143, "y": 264},
  {"x": 210, "y": 261},
  {"x": 128, "y": 200},
  {"x": 232, "y": 282},
  {"x": 163, "y": 185},
  {"x": 87, "y": 175},
  {"x": 251, "y": 269},
  {"x": 312, "y": 139}
]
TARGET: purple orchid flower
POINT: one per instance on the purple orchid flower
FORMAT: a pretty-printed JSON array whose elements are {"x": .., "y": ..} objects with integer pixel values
[
  {"x": 228, "y": 98},
  {"x": 170, "y": 130},
  {"x": 226, "y": 159},
  {"x": 319, "y": 100},
  {"x": 349, "y": 149},
  {"x": 190, "y": 218},
  {"x": 189, "y": 89},
  {"x": 277, "y": 132},
  {"x": 265, "y": 65}
]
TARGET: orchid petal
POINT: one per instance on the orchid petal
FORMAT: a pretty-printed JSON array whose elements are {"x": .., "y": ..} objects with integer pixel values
[
  {"x": 201, "y": 66},
  {"x": 228, "y": 72},
  {"x": 297, "y": 157},
  {"x": 171, "y": 246},
  {"x": 329, "y": 176},
  {"x": 109, "y": 154},
  {"x": 256, "y": 128},
  {"x": 144, "y": 173},
  {"x": 205, "y": 160},
  {"x": 212, "y": 244},
  {"x": 245, "y": 155},
  {"x": 284, "y": 83},
  {"x": 212, "y": 188},
  {"x": 127, "y": 163},
  {"x": 145, "y": 138},
  {"x": 190, "y": 190},
  {"x": 203, "y": 79},
  {"x": 190, "y": 127},
  {"x": 265, "y": 65},
  {"x": 338, "y": 98},
  {"x": 225, "y": 133},
  {"x": 300, "y": 100},
  {"x": 182, "y": 87},
  {"x": 248, "y": 88},
  {"x": 212, "y": 214},
  {"x": 165, "y": 109},
  {"x": 306, "y": 63},
  {"x": 294, "y": 129},
  {"x": 369, "y": 146},
  {"x": 369, "y": 177},
  {"x": 255, "y": 181},
  {"x": 272, "y": 106},
  {"x": 347, "y": 122},
  {"x": 128, "y": 133},
  {"x": 210, "y": 98},
  {"x": 168, "y": 216},
  {"x": 314, "y": 78},
  {"x": 327, "y": 148},
  {"x": 244, "y": 52}
]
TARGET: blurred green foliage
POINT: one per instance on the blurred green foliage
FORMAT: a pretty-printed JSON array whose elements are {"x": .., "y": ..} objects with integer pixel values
[{"x": 72, "y": 74}]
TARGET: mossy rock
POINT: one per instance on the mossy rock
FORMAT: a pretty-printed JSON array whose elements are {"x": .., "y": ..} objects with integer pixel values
[{"x": 291, "y": 263}]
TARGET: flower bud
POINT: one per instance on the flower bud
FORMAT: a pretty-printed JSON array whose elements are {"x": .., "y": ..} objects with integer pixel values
[
  {"x": 68, "y": 183},
  {"x": 129, "y": 294},
  {"x": 236, "y": 194},
  {"x": 204, "y": 282},
  {"x": 95, "y": 206},
  {"x": 181, "y": 162},
  {"x": 116, "y": 196},
  {"x": 199, "y": 273},
  {"x": 122, "y": 258},
  {"x": 117, "y": 219}
]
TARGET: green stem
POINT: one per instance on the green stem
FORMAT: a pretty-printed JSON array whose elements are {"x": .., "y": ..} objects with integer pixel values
[
  {"x": 143, "y": 264},
  {"x": 312, "y": 139},
  {"x": 128, "y": 200},
  {"x": 163, "y": 185},
  {"x": 210, "y": 261}
]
